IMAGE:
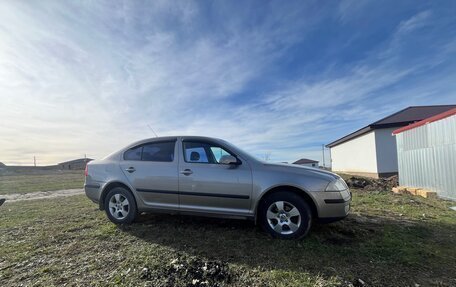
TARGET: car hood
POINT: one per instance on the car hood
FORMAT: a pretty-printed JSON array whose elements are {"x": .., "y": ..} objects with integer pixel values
[{"x": 293, "y": 168}]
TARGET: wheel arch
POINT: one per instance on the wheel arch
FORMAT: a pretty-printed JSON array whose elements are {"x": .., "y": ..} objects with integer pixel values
[
  {"x": 108, "y": 187},
  {"x": 297, "y": 190}
]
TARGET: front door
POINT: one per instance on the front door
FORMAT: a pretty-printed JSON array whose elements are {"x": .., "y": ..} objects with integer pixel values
[
  {"x": 151, "y": 169},
  {"x": 207, "y": 186}
]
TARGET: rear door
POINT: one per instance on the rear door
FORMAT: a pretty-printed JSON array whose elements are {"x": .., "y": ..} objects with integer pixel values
[
  {"x": 151, "y": 169},
  {"x": 209, "y": 187}
]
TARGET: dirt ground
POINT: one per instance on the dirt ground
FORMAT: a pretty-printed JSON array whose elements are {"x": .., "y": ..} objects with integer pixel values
[
  {"x": 14, "y": 197},
  {"x": 371, "y": 184}
]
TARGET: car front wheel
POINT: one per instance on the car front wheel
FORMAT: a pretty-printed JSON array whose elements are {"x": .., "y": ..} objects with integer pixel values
[
  {"x": 120, "y": 206},
  {"x": 285, "y": 215}
]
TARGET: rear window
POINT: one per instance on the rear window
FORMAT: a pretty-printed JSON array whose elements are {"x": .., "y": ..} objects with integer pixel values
[{"x": 159, "y": 151}]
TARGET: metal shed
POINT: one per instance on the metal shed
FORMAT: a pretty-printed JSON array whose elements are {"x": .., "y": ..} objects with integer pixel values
[{"x": 426, "y": 153}]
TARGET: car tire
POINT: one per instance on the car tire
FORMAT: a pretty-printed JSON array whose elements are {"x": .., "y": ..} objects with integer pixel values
[
  {"x": 285, "y": 215},
  {"x": 120, "y": 206}
]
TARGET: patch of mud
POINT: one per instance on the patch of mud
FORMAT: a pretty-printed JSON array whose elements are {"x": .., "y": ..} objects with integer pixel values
[
  {"x": 190, "y": 272},
  {"x": 41, "y": 195},
  {"x": 373, "y": 184}
]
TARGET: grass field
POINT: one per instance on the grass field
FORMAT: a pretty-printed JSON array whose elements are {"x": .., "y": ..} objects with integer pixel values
[
  {"x": 388, "y": 240},
  {"x": 43, "y": 180}
]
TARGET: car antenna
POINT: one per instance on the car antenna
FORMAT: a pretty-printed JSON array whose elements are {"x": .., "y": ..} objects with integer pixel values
[{"x": 152, "y": 130}]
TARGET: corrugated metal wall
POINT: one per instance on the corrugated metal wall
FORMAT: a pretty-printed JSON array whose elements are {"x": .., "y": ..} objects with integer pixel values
[{"x": 427, "y": 157}]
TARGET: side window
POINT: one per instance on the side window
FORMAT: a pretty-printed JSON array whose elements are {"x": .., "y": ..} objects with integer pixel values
[
  {"x": 133, "y": 153},
  {"x": 200, "y": 152},
  {"x": 195, "y": 152},
  {"x": 160, "y": 151}
]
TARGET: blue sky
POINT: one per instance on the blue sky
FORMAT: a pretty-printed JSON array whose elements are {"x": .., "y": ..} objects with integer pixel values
[{"x": 274, "y": 77}]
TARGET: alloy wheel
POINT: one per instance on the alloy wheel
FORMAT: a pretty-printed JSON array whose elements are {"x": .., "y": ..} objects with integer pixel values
[
  {"x": 283, "y": 217},
  {"x": 119, "y": 206}
]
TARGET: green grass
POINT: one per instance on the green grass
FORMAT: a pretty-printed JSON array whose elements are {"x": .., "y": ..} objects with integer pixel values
[
  {"x": 44, "y": 181},
  {"x": 388, "y": 240}
]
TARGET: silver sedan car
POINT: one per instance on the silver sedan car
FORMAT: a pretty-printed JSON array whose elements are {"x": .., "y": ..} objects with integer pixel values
[{"x": 211, "y": 177}]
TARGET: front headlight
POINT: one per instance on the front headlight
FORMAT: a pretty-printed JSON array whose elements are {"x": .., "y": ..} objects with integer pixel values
[{"x": 337, "y": 185}]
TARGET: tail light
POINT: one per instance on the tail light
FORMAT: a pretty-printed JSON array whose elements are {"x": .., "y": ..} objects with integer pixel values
[{"x": 86, "y": 171}]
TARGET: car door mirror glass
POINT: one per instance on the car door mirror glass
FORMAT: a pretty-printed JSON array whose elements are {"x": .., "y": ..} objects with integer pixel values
[{"x": 228, "y": 159}]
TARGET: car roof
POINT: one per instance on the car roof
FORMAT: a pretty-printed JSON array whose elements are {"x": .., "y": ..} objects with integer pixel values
[{"x": 172, "y": 138}]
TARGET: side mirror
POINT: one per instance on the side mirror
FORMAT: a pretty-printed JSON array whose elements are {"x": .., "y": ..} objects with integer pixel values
[{"x": 229, "y": 159}]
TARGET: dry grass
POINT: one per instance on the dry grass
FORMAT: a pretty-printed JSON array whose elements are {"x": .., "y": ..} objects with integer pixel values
[
  {"x": 388, "y": 240},
  {"x": 40, "y": 180}
]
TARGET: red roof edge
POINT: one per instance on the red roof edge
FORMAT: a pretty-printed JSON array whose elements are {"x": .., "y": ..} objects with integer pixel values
[{"x": 426, "y": 121}]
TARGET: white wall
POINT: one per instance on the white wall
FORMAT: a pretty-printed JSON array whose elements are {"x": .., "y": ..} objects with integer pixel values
[
  {"x": 356, "y": 155},
  {"x": 385, "y": 144}
]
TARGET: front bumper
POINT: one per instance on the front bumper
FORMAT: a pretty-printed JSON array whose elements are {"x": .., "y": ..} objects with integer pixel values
[{"x": 333, "y": 205}]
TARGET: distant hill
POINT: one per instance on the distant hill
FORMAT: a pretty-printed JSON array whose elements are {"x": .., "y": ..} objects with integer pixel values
[{"x": 2, "y": 164}]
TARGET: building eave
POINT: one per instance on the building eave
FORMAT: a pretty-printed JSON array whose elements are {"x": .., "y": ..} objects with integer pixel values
[
  {"x": 350, "y": 136},
  {"x": 435, "y": 118},
  {"x": 399, "y": 119}
]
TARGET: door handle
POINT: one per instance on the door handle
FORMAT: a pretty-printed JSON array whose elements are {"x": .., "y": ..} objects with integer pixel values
[
  {"x": 131, "y": 169},
  {"x": 186, "y": 171}
]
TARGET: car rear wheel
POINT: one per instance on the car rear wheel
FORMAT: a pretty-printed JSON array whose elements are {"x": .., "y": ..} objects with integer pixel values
[
  {"x": 120, "y": 206},
  {"x": 285, "y": 215}
]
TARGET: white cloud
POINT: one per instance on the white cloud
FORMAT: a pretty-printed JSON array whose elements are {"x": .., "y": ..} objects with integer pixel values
[
  {"x": 349, "y": 8},
  {"x": 74, "y": 81},
  {"x": 91, "y": 78},
  {"x": 417, "y": 21}
]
